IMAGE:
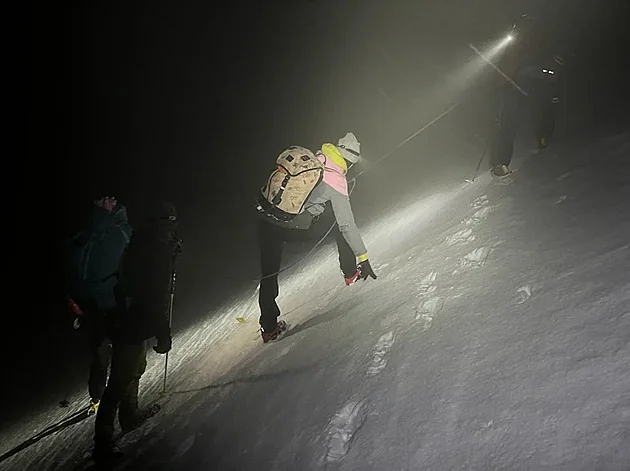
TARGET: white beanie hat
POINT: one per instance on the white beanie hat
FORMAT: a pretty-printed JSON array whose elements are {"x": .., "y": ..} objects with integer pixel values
[{"x": 350, "y": 148}]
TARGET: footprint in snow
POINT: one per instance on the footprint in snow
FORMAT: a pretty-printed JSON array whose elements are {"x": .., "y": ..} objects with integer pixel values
[
  {"x": 504, "y": 181},
  {"x": 563, "y": 176},
  {"x": 479, "y": 202},
  {"x": 285, "y": 350},
  {"x": 427, "y": 283},
  {"x": 380, "y": 351},
  {"x": 426, "y": 320},
  {"x": 343, "y": 428},
  {"x": 427, "y": 311},
  {"x": 476, "y": 258},
  {"x": 523, "y": 293},
  {"x": 465, "y": 235},
  {"x": 561, "y": 199},
  {"x": 479, "y": 216},
  {"x": 431, "y": 306}
]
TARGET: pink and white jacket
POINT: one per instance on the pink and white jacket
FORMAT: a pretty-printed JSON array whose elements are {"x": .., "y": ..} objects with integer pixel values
[{"x": 334, "y": 188}]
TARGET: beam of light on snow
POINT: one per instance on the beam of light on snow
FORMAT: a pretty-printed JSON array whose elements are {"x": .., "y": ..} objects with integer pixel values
[
  {"x": 213, "y": 345},
  {"x": 314, "y": 276},
  {"x": 196, "y": 356},
  {"x": 209, "y": 349},
  {"x": 406, "y": 221}
]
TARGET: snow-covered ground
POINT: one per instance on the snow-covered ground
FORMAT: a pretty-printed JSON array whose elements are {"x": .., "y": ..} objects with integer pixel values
[{"x": 495, "y": 338}]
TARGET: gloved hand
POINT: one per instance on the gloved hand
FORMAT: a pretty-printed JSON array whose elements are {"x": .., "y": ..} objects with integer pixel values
[
  {"x": 164, "y": 345},
  {"x": 365, "y": 270}
]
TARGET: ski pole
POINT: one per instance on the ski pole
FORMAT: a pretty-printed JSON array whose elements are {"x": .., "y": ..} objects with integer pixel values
[{"x": 170, "y": 320}]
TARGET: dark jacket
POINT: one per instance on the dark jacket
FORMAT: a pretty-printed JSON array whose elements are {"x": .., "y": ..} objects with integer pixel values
[
  {"x": 144, "y": 284},
  {"x": 94, "y": 256},
  {"x": 532, "y": 60}
]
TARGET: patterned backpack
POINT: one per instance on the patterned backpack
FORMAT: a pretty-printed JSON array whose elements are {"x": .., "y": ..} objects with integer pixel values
[{"x": 290, "y": 185}]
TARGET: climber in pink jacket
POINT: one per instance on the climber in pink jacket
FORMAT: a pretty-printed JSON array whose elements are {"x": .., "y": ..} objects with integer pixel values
[{"x": 271, "y": 234}]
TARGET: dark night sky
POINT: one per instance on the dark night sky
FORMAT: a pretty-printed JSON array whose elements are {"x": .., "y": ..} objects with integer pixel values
[{"x": 192, "y": 101}]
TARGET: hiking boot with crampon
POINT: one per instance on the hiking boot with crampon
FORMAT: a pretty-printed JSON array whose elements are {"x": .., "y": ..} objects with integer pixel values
[
  {"x": 93, "y": 407},
  {"x": 353, "y": 278},
  {"x": 275, "y": 334},
  {"x": 501, "y": 170}
]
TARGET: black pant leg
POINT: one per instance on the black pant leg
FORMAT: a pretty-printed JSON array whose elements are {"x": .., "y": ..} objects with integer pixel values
[
  {"x": 503, "y": 145},
  {"x": 546, "y": 111},
  {"x": 270, "y": 243},
  {"x": 124, "y": 370},
  {"x": 100, "y": 352},
  {"x": 137, "y": 356}
]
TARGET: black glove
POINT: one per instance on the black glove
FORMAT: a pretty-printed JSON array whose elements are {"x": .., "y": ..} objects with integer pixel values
[
  {"x": 164, "y": 345},
  {"x": 365, "y": 270}
]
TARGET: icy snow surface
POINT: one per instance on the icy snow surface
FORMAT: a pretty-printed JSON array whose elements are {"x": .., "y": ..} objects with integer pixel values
[{"x": 495, "y": 338}]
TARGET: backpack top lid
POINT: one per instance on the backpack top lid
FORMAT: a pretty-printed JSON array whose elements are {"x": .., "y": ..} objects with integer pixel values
[
  {"x": 298, "y": 159},
  {"x": 102, "y": 220},
  {"x": 288, "y": 188},
  {"x": 93, "y": 254}
]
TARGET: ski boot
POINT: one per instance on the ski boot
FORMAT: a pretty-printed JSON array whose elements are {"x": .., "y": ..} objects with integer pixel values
[
  {"x": 353, "y": 278},
  {"x": 275, "y": 334},
  {"x": 501, "y": 170}
]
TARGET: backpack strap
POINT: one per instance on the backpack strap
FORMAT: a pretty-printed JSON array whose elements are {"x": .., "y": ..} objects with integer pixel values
[
  {"x": 283, "y": 186},
  {"x": 89, "y": 245},
  {"x": 86, "y": 253},
  {"x": 127, "y": 239},
  {"x": 126, "y": 236}
]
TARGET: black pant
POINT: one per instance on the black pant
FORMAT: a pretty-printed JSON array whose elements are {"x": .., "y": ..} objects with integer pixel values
[
  {"x": 540, "y": 108},
  {"x": 100, "y": 352},
  {"x": 94, "y": 323},
  {"x": 502, "y": 145},
  {"x": 544, "y": 112},
  {"x": 271, "y": 239},
  {"x": 121, "y": 394}
]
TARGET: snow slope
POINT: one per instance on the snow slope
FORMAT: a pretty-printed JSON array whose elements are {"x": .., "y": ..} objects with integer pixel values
[{"x": 496, "y": 337}]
